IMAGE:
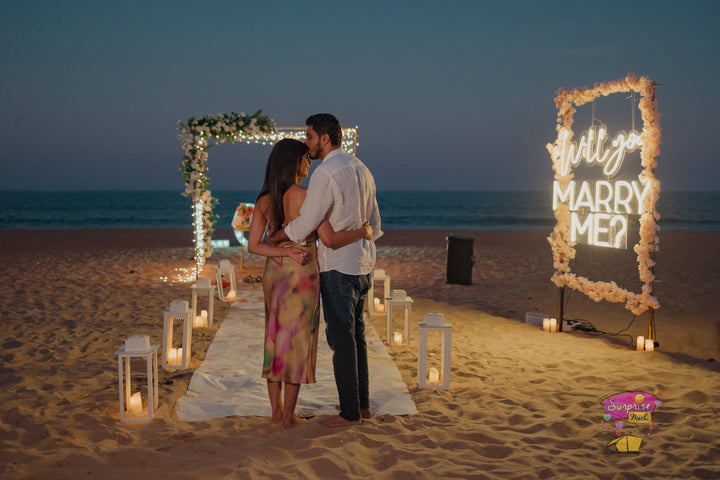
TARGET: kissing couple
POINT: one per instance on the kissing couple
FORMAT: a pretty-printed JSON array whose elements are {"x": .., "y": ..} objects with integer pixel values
[{"x": 340, "y": 207}]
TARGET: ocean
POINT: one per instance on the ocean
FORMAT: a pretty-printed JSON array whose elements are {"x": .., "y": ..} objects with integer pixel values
[{"x": 400, "y": 210}]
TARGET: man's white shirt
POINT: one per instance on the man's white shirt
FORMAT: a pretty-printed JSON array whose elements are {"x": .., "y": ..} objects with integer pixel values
[{"x": 342, "y": 189}]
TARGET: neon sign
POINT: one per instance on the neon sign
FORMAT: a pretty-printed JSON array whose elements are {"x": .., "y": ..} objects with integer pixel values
[
  {"x": 592, "y": 150},
  {"x": 601, "y": 212}
]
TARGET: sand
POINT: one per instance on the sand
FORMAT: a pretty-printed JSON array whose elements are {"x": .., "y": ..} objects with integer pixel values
[{"x": 522, "y": 404}]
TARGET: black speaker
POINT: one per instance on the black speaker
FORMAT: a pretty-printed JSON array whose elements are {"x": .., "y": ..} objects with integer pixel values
[{"x": 459, "y": 259}]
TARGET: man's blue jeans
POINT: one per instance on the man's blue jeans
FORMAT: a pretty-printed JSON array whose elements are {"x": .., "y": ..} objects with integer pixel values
[{"x": 343, "y": 299}]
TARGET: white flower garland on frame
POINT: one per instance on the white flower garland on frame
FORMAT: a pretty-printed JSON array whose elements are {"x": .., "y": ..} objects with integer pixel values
[
  {"x": 196, "y": 135},
  {"x": 562, "y": 247}
]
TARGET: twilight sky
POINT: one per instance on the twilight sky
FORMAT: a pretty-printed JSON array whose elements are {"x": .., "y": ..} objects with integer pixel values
[{"x": 452, "y": 95}]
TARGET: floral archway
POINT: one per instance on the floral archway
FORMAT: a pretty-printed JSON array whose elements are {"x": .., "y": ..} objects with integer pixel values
[{"x": 199, "y": 134}]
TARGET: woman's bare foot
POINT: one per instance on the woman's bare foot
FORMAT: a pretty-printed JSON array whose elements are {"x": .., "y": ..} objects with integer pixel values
[
  {"x": 277, "y": 418},
  {"x": 293, "y": 421}
]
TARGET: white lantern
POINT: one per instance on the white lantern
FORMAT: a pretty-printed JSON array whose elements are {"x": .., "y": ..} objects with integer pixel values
[
  {"x": 226, "y": 271},
  {"x": 179, "y": 311},
  {"x": 425, "y": 374},
  {"x": 374, "y": 301},
  {"x": 399, "y": 299},
  {"x": 131, "y": 404},
  {"x": 204, "y": 289}
]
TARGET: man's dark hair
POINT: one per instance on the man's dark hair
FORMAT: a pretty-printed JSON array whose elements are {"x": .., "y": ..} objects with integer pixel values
[{"x": 324, "y": 123}]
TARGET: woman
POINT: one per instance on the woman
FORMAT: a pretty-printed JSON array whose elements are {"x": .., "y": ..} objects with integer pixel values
[{"x": 291, "y": 280}]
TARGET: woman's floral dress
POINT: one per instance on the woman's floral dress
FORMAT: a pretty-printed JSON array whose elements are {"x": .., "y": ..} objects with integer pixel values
[{"x": 291, "y": 317}]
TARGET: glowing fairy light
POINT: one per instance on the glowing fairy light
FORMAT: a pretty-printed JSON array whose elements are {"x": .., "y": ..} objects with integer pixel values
[
  {"x": 199, "y": 236},
  {"x": 179, "y": 275}
]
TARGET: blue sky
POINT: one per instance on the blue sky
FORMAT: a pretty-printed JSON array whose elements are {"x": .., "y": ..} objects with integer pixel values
[{"x": 447, "y": 95}]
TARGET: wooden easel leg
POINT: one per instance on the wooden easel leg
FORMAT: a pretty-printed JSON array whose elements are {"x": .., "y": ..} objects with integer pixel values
[
  {"x": 651, "y": 325},
  {"x": 560, "y": 307}
]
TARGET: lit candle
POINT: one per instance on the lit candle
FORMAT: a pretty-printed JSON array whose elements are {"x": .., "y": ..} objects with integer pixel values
[
  {"x": 433, "y": 376},
  {"x": 376, "y": 304},
  {"x": 553, "y": 325},
  {"x": 380, "y": 307},
  {"x": 649, "y": 345},
  {"x": 203, "y": 313},
  {"x": 640, "y": 343},
  {"x": 136, "y": 403},
  {"x": 172, "y": 356},
  {"x": 546, "y": 324},
  {"x": 179, "y": 356},
  {"x": 200, "y": 321},
  {"x": 231, "y": 294},
  {"x": 397, "y": 338}
]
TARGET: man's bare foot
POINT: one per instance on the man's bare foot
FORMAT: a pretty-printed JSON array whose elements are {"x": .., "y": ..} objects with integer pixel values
[
  {"x": 338, "y": 421},
  {"x": 364, "y": 412}
]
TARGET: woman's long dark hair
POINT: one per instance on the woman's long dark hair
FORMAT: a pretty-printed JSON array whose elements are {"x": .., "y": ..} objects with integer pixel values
[{"x": 280, "y": 175}]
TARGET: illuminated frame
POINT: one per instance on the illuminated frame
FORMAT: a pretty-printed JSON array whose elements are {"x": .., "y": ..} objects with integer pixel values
[
  {"x": 196, "y": 135},
  {"x": 562, "y": 247}
]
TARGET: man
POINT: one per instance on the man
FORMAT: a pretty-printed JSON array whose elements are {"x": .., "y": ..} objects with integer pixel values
[{"x": 343, "y": 190}]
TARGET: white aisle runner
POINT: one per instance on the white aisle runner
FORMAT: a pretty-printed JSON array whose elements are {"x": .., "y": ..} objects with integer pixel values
[{"x": 228, "y": 381}]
